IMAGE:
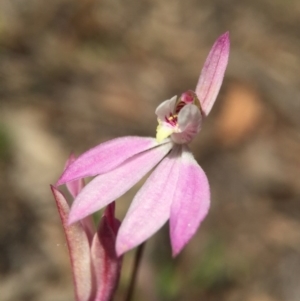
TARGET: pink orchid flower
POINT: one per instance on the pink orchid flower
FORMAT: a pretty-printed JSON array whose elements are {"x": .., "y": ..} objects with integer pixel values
[
  {"x": 95, "y": 264},
  {"x": 177, "y": 189}
]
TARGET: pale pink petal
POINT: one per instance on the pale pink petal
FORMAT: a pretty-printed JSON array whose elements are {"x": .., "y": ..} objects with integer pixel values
[
  {"x": 212, "y": 73},
  {"x": 107, "y": 187},
  {"x": 150, "y": 209},
  {"x": 105, "y": 262},
  {"x": 105, "y": 157},
  {"x": 165, "y": 108},
  {"x": 73, "y": 187},
  {"x": 78, "y": 248},
  {"x": 190, "y": 202},
  {"x": 189, "y": 124}
]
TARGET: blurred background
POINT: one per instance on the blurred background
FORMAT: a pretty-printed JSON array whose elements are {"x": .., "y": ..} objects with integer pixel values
[{"x": 74, "y": 73}]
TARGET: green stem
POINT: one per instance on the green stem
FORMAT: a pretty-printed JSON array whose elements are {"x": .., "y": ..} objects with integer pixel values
[{"x": 137, "y": 260}]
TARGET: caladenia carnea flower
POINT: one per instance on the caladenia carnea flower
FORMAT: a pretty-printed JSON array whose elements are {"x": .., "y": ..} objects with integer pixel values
[
  {"x": 178, "y": 189},
  {"x": 95, "y": 264}
]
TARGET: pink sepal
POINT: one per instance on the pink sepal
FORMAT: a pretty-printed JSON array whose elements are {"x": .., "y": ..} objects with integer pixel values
[
  {"x": 105, "y": 188},
  {"x": 150, "y": 208},
  {"x": 105, "y": 157},
  {"x": 190, "y": 203},
  {"x": 212, "y": 74}
]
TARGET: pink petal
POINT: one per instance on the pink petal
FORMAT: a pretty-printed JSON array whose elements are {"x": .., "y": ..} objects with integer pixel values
[
  {"x": 150, "y": 208},
  {"x": 105, "y": 262},
  {"x": 165, "y": 108},
  {"x": 105, "y": 157},
  {"x": 73, "y": 187},
  {"x": 212, "y": 73},
  {"x": 78, "y": 248},
  {"x": 190, "y": 203},
  {"x": 107, "y": 187},
  {"x": 189, "y": 123}
]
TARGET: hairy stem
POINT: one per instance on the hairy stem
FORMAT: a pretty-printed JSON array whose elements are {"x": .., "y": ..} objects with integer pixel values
[{"x": 137, "y": 260}]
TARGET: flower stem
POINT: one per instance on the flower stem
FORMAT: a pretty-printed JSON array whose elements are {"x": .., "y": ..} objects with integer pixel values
[{"x": 137, "y": 260}]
